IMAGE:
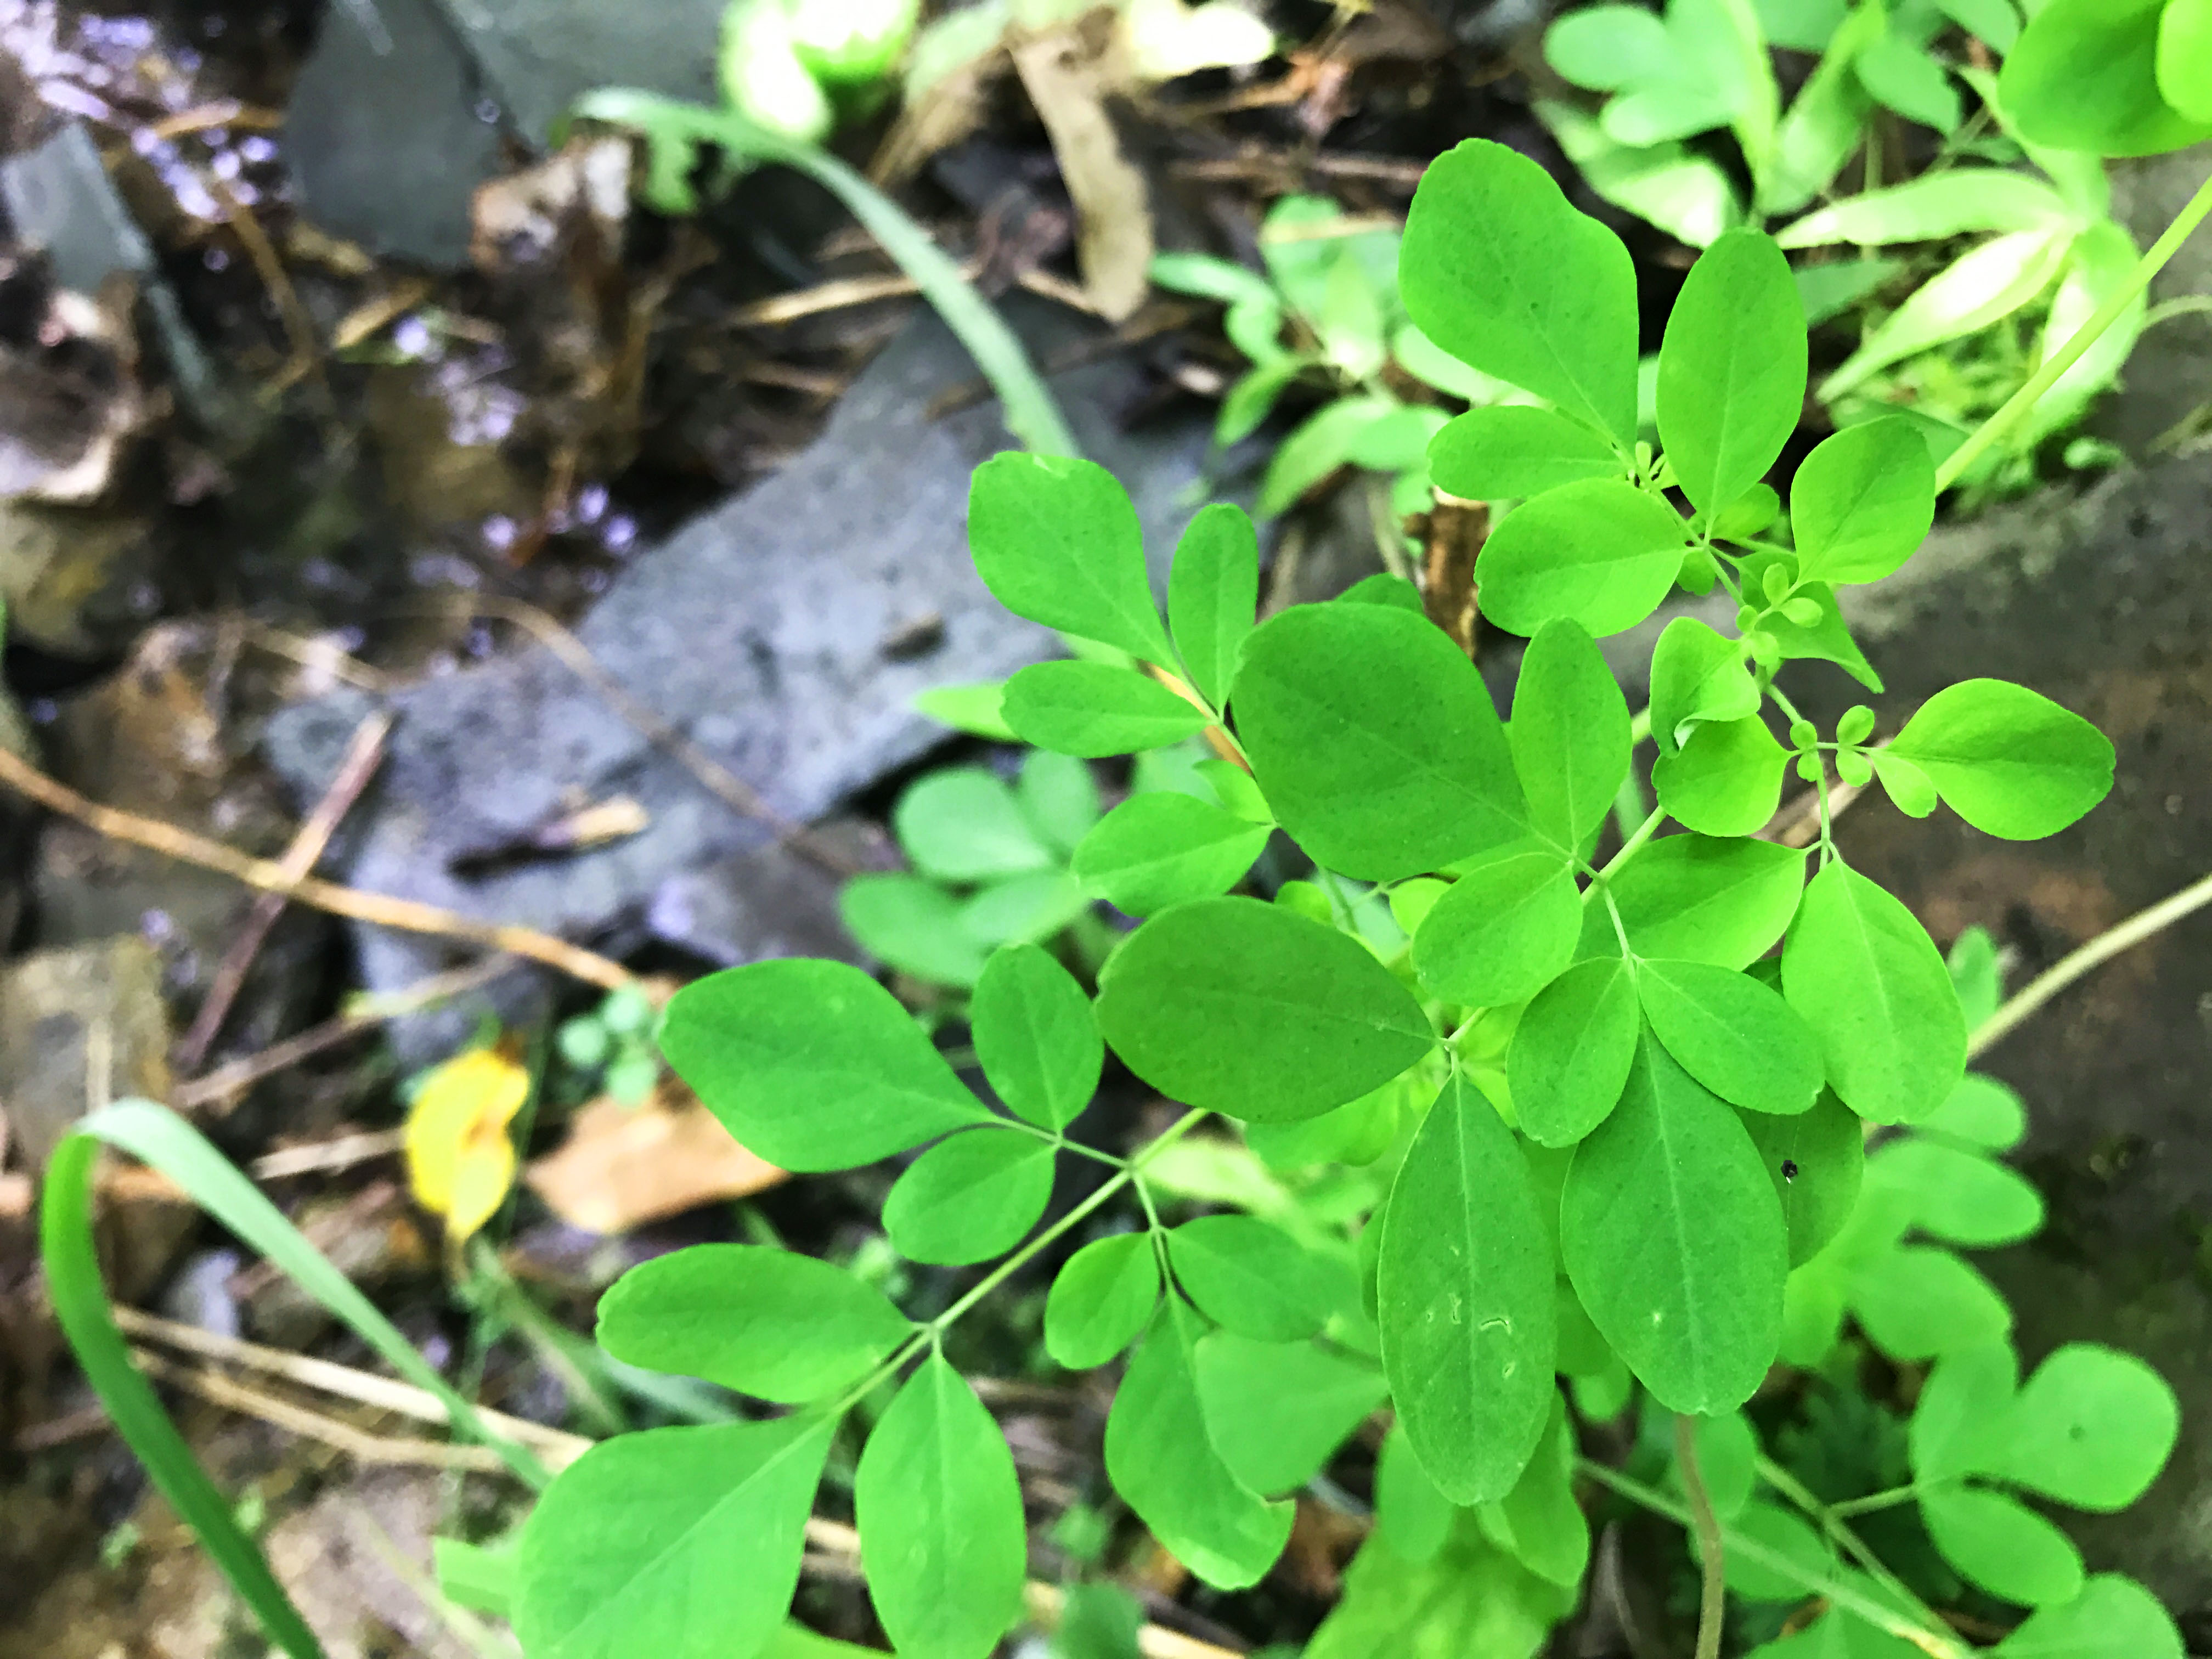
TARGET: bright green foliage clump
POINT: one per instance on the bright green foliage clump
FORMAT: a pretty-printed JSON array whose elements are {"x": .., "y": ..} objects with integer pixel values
[{"x": 1634, "y": 1145}]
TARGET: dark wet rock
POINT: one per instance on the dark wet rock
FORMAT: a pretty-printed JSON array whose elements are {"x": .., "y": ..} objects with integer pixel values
[
  {"x": 768, "y": 902},
  {"x": 2103, "y": 601},
  {"x": 770, "y": 631},
  {"x": 60, "y": 1013},
  {"x": 78, "y": 582}
]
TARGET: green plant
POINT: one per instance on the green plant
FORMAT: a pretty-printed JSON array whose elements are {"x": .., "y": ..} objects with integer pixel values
[
  {"x": 612, "y": 1046},
  {"x": 1328, "y": 313}
]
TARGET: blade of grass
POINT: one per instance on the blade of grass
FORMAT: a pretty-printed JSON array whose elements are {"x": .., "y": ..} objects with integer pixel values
[{"x": 157, "y": 1136}]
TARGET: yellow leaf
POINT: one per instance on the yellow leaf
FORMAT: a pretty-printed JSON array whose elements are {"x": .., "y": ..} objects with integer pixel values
[{"x": 459, "y": 1159}]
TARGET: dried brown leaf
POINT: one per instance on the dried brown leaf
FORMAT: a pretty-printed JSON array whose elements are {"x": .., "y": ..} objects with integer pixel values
[{"x": 624, "y": 1166}]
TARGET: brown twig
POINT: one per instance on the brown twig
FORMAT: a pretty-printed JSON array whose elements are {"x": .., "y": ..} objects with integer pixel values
[
  {"x": 306, "y": 357},
  {"x": 226, "y": 1082},
  {"x": 363, "y": 754},
  {"x": 407, "y": 915},
  {"x": 323, "y": 1157}
]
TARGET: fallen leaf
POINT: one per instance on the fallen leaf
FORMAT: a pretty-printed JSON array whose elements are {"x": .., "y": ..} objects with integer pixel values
[
  {"x": 460, "y": 1161},
  {"x": 622, "y": 1166},
  {"x": 1068, "y": 78}
]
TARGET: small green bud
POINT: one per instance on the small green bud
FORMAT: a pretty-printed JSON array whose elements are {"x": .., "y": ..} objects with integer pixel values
[
  {"x": 1804, "y": 610},
  {"x": 1699, "y": 573},
  {"x": 1808, "y": 767},
  {"x": 1857, "y": 725},
  {"x": 1774, "y": 582},
  {"x": 1803, "y": 734},
  {"x": 1748, "y": 513},
  {"x": 1307, "y": 899},
  {"x": 1854, "y": 765},
  {"x": 1765, "y": 649},
  {"x": 1746, "y": 618},
  {"x": 584, "y": 1042}
]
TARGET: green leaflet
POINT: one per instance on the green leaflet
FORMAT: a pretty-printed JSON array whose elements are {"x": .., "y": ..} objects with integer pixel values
[
  {"x": 2084, "y": 75},
  {"x": 1374, "y": 740},
  {"x": 1539, "y": 1521},
  {"x": 1022, "y": 909},
  {"x": 1982, "y": 1111},
  {"x": 1249, "y": 1278},
  {"x": 1959, "y": 1196},
  {"x": 1059, "y": 797},
  {"x": 1276, "y": 1411},
  {"x": 1412, "y": 1517},
  {"x": 2093, "y": 1428},
  {"x": 1093, "y": 709},
  {"x": 1697, "y": 675},
  {"x": 1500, "y": 271},
  {"x": 812, "y": 1065},
  {"x": 964, "y": 824},
  {"x": 1035, "y": 1036},
  {"x": 1731, "y": 370},
  {"x": 1673, "y": 1238},
  {"x": 628, "y": 1551},
  {"x": 1727, "y": 1458},
  {"x": 1600, "y": 552},
  {"x": 1503, "y": 931},
  {"x": 1214, "y": 594},
  {"x": 939, "y": 1509},
  {"x": 969, "y": 1197},
  {"x": 1502, "y": 451},
  {"x": 1160, "y": 1460},
  {"x": 1787, "y": 1534},
  {"x": 1102, "y": 1300},
  {"x": 1156, "y": 850},
  {"x": 911, "y": 925},
  {"x": 1466, "y": 1300},
  {"x": 1828, "y": 640},
  {"x": 1733, "y": 1033},
  {"x": 1701, "y": 899},
  {"x": 2184, "y": 58},
  {"x": 1958, "y": 1423},
  {"x": 1867, "y": 980},
  {"x": 1726, "y": 780},
  {"x": 1933, "y": 208},
  {"x": 1056, "y": 540},
  {"x": 1816, "y": 1161},
  {"x": 2008, "y": 760},
  {"x": 767, "y": 1322},
  {"x": 2112, "y": 1618},
  {"x": 1254, "y": 1010},
  {"x": 1862, "y": 502},
  {"x": 2001, "y": 1546},
  {"x": 1357, "y": 1133},
  {"x": 1572, "y": 1051},
  {"x": 1915, "y": 1302},
  {"x": 1469, "y": 1600},
  {"x": 1570, "y": 734}
]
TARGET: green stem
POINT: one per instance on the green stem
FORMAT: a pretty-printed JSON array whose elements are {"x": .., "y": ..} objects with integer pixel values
[
  {"x": 2073, "y": 965},
  {"x": 1839, "y": 1594},
  {"x": 2016, "y": 406},
  {"x": 1712, "y": 1600},
  {"x": 1830, "y": 1520},
  {"x": 1629, "y": 848},
  {"x": 1881, "y": 1500}
]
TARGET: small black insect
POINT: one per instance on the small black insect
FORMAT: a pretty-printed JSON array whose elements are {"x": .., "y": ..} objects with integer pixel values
[{"x": 1789, "y": 1168}]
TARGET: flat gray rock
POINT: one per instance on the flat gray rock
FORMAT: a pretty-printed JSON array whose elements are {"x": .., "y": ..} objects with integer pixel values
[{"x": 777, "y": 631}]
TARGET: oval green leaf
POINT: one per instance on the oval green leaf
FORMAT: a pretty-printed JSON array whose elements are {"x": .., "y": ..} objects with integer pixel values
[
  {"x": 1697, "y": 674},
  {"x": 912, "y": 924},
  {"x": 1056, "y": 540},
  {"x": 1035, "y": 1036},
  {"x": 2008, "y": 760},
  {"x": 963, "y": 825},
  {"x": 1256, "y": 1011},
  {"x": 1102, "y": 1301},
  {"x": 1999, "y": 1544},
  {"x": 1701, "y": 899},
  {"x": 812, "y": 1065},
  {"x": 1731, "y": 368},
  {"x": 1959, "y": 1196},
  {"x": 1862, "y": 502},
  {"x": 1276, "y": 1411},
  {"x": 2112, "y": 1618},
  {"x": 1572, "y": 1051},
  {"x": 1733, "y": 1033},
  {"x": 1674, "y": 1240},
  {"x": 1816, "y": 1160},
  {"x": 1374, "y": 740},
  {"x": 1506, "y": 452},
  {"x": 1570, "y": 734},
  {"x": 1249, "y": 1278},
  {"x": 1092, "y": 709},
  {"x": 1503, "y": 931},
  {"x": 1600, "y": 552},
  {"x": 969, "y": 1197},
  {"x": 2092, "y": 1427},
  {"x": 767, "y": 1322},
  {"x": 1161, "y": 850},
  {"x": 1916, "y": 1302},
  {"x": 1214, "y": 595},
  {"x": 1726, "y": 780},
  {"x": 2084, "y": 75},
  {"x": 1465, "y": 1301}
]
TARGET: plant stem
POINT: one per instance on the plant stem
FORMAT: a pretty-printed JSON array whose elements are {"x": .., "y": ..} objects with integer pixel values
[
  {"x": 1881, "y": 1500},
  {"x": 1842, "y": 1595},
  {"x": 2016, "y": 406},
  {"x": 1830, "y": 1519},
  {"x": 2074, "y": 963},
  {"x": 1629, "y": 848},
  {"x": 1712, "y": 1602}
]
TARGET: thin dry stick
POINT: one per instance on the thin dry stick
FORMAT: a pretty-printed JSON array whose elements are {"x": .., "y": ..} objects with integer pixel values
[
  {"x": 724, "y": 784},
  {"x": 227, "y": 1081},
  {"x": 1713, "y": 1603},
  {"x": 555, "y": 1447},
  {"x": 407, "y": 915},
  {"x": 325, "y": 1155},
  {"x": 2074, "y": 963},
  {"x": 359, "y": 764}
]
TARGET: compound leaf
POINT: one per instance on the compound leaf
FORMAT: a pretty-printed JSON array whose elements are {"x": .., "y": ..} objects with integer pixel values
[
  {"x": 1862, "y": 501},
  {"x": 1160, "y": 1460},
  {"x": 767, "y": 1322},
  {"x": 1249, "y": 1278},
  {"x": 1570, "y": 734},
  {"x": 628, "y": 1551},
  {"x": 1276, "y": 1411},
  {"x": 1600, "y": 552},
  {"x": 1731, "y": 368},
  {"x": 1214, "y": 594},
  {"x": 939, "y": 1509},
  {"x": 1732, "y": 1033},
  {"x": 1102, "y": 1300},
  {"x": 1503, "y": 931},
  {"x": 1256, "y": 1011},
  {"x": 1092, "y": 709},
  {"x": 1499, "y": 270},
  {"x": 1816, "y": 1161},
  {"x": 1572, "y": 1051},
  {"x": 1867, "y": 980},
  {"x": 2092, "y": 1427},
  {"x": 969, "y": 1197},
  {"x": 1374, "y": 740},
  {"x": 1673, "y": 1238},
  {"x": 1056, "y": 540},
  {"x": 1467, "y": 1302},
  {"x": 812, "y": 1065},
  {"x": 2008, "y": 760},
  {"x": 1510, "y": 451},
  {"x": 1160, "y": 849}
]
